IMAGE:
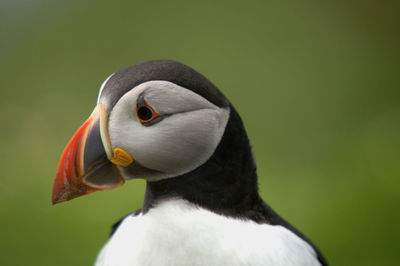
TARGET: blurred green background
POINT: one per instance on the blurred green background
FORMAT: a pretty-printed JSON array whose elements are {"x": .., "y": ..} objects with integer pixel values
[{"x": 316, "y": 83}]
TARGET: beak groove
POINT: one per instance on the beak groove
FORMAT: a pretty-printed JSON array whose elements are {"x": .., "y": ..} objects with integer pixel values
[{"x": 84, "y": 166}]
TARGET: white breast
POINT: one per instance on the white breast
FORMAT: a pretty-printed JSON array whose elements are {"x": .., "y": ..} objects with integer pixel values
[{"x": 177, "y": 233}]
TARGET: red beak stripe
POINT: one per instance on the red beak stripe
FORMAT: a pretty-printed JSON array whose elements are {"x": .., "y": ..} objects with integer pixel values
[{"x": 68, "y": 180}]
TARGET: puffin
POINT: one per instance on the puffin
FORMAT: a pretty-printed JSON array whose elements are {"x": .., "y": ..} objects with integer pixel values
[{"x": 166, "y": 123}]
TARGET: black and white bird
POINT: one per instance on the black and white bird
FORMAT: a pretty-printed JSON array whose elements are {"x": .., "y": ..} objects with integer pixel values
[{"x": 164, "y": 122}]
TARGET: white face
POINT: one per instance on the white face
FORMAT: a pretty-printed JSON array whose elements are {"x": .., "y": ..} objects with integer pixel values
[{"x": 183, "y": 136}]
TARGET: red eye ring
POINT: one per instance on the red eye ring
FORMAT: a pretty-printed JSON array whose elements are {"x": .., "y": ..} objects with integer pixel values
[{"x": 145, "y": 113}]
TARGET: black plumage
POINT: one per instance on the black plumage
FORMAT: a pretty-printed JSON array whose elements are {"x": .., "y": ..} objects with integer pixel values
[{"x": 227, "y": 182}]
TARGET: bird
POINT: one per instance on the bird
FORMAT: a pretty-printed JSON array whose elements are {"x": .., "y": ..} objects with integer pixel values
[{"x": 164, "y": 122}]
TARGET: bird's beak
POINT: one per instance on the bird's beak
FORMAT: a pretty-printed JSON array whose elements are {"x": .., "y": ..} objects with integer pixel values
[{"x": 88, "y": 163}]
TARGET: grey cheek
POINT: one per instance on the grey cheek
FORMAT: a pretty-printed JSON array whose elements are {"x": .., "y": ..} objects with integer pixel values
[
  {"x": 176, "y": 145},
  {"x": 180, "y": 143}
]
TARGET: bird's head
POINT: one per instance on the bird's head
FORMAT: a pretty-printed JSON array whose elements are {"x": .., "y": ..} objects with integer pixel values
[{"x": 155, "y": 120}]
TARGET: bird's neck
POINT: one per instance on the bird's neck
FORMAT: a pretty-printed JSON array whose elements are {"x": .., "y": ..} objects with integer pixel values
[{"x": 225, "y": 184}]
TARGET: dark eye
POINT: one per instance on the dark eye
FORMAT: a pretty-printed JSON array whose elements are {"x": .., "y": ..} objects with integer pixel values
[
  {"x": 144, "y": 113},
  {"x": 147, "y": 115}
]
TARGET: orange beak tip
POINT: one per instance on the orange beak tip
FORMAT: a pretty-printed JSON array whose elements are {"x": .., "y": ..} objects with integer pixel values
[
  {"x": 84, "y": 166},
  {"x": 67, "y": 181}
]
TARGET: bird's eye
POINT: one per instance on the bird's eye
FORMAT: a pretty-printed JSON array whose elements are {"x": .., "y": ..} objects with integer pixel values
[{"x": 146, "y": 114}]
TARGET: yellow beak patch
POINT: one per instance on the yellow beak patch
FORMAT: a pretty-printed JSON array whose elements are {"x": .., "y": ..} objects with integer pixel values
[{"x": 121, "y": 157}]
